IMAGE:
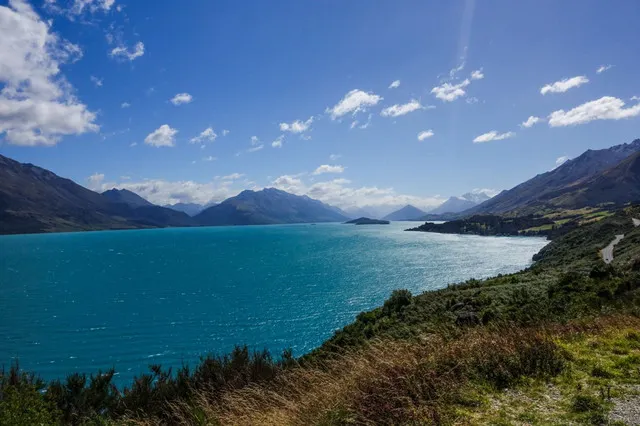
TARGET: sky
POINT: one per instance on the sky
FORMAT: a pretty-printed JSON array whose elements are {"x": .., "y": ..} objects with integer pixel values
[{"x": 353, "y": 103}]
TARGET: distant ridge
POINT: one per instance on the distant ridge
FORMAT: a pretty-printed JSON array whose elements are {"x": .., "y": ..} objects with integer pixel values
[
  {"x": 552, "y": 188},
  {"x": 191, "y": 209},
  {"x": 408, "y": 212},
  {"x": 268, "y": 206},
  {"x": 33, "y": 199},
  {"x": 126, "y": 196}
]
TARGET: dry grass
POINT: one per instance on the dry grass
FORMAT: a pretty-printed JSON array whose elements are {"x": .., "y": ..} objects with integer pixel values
[
  {"x": 398, "y": 382},
  {"x": 393, "y": 382}
]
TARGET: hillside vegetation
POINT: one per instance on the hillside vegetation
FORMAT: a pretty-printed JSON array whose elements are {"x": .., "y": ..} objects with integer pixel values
[{"x": 562, "y": 335}]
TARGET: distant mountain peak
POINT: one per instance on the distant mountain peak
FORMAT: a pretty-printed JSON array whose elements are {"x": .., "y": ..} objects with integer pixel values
[
  {"x": 407, "y": 212},
  {"x": 125, "y": 196},
  {"x": 269, "y": 206},
  {"x": 554, "y": 187}
]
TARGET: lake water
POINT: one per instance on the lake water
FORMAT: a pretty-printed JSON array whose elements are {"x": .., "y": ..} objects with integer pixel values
[{"x": 84, "y": 301}]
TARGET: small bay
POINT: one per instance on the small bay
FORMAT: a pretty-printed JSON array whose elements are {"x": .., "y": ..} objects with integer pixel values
[{"x": 126, "y": 299}]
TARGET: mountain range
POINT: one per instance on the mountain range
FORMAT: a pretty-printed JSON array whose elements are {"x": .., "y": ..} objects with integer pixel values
[
  {"x": 268, "y": 206},
  {"x": 594, "y": 177},
  {"x": 33, "y": 199}
]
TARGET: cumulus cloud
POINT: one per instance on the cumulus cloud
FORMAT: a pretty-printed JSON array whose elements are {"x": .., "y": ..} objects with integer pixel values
[
  {"x": 334, "y": 157},
  {"x": 181, "y": 98},
  {"x": 395, "y": 84},
  {"x": 123, "y": 52},
  {"x": 94, "y": 182},
  {"x": 530, "y": 121},
  {"x": 81, "y": 6},
  {"x": 206, "y": 135},
  {"x": 326, "y": 168},
  {"x": 353, "y": 102},
  {"x": 603, "y": 68},
  {"x": 493, "y": 136},
  {"x": 125, "y": 105},
  {"x": 162, "y": 136},
  {"x": 225, "y": 132},
  {"x": 297, "y": 126},
  {"x": 471, "y": 100},
  {"x": 162, "y": 192},
  {"x": 561, "y": 160},
  {"x": 277, "y": 143},
  {"x": 605, "y": 108},
  {"x": 337, "y": 192},
  {"x": 37, "y": 105},
  {"x": 401, "y": 109},
  {"x": 425, "y": 134},
  {"x": 477, "y": 75},
  {"x": 564, "y": 85},
  {"x": 448, "y": 92}
]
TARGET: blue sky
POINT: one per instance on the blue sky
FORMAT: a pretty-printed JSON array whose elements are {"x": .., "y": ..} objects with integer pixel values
[{"x": 317, "y": 78}]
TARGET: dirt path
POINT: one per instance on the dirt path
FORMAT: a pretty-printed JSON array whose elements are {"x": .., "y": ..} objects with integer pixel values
[{"x": 607, "y": 252}]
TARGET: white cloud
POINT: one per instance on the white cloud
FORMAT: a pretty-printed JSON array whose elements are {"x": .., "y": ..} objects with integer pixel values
[
  {"x": 161, "y": 192},
  {"x": 395, "y": 84},
  {"x": 297, "y": 126},
  {"x": 232, "y": 176},
  {"x": 37, "y": 105},
  {"x": 457, "y": 69},
  {"x": 181, "y": 98},
  {"x": 477, "y": 75},
  {"x": 162, "y": 136},
  {"x": 603, "y": 68},
  {"x": 81, "y": 6},
  {"x": 277, "y": 143},
  {"x": 635, "y": 98},
  {"x": 209, "y": 158},
  {"x": 401, "y": 109},
  {"x": 255, "y": 140},
  {"x": 486, "y": 191},
  {"x": 493, "y": 136},
  {"x": 334, "y": 157},
  {"x": 225, "y": 132},
  {"x": 125, "y": 105},
  {"x": 123, "y": 52},
  {"x": 326, "y": 168},
  {"x": 425, "y": 134},
  {"x": 337, "y": 192},
  {"x": 97, "y": 81},
  {"x": 353, "y": 102},
  {"x": 255, "y": 148},
  {"x": 472, "y": 100},
  {"x": 206, "y": 135},
  {"x": 564, "y": 85},
  {"x": 450, "y": 92},
  {"x": 530, "y": 121},
  {"x": 605, "y": 108},
  {"x": 95, "y": 181},
  {"x": 561, "y": 160}
]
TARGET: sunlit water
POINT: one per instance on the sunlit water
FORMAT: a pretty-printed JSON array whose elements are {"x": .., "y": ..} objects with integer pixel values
[{"x": 84, "y": 301}]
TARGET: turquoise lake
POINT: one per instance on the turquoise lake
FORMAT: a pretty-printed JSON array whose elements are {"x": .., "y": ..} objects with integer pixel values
[{"x": 127, "y": 299}]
